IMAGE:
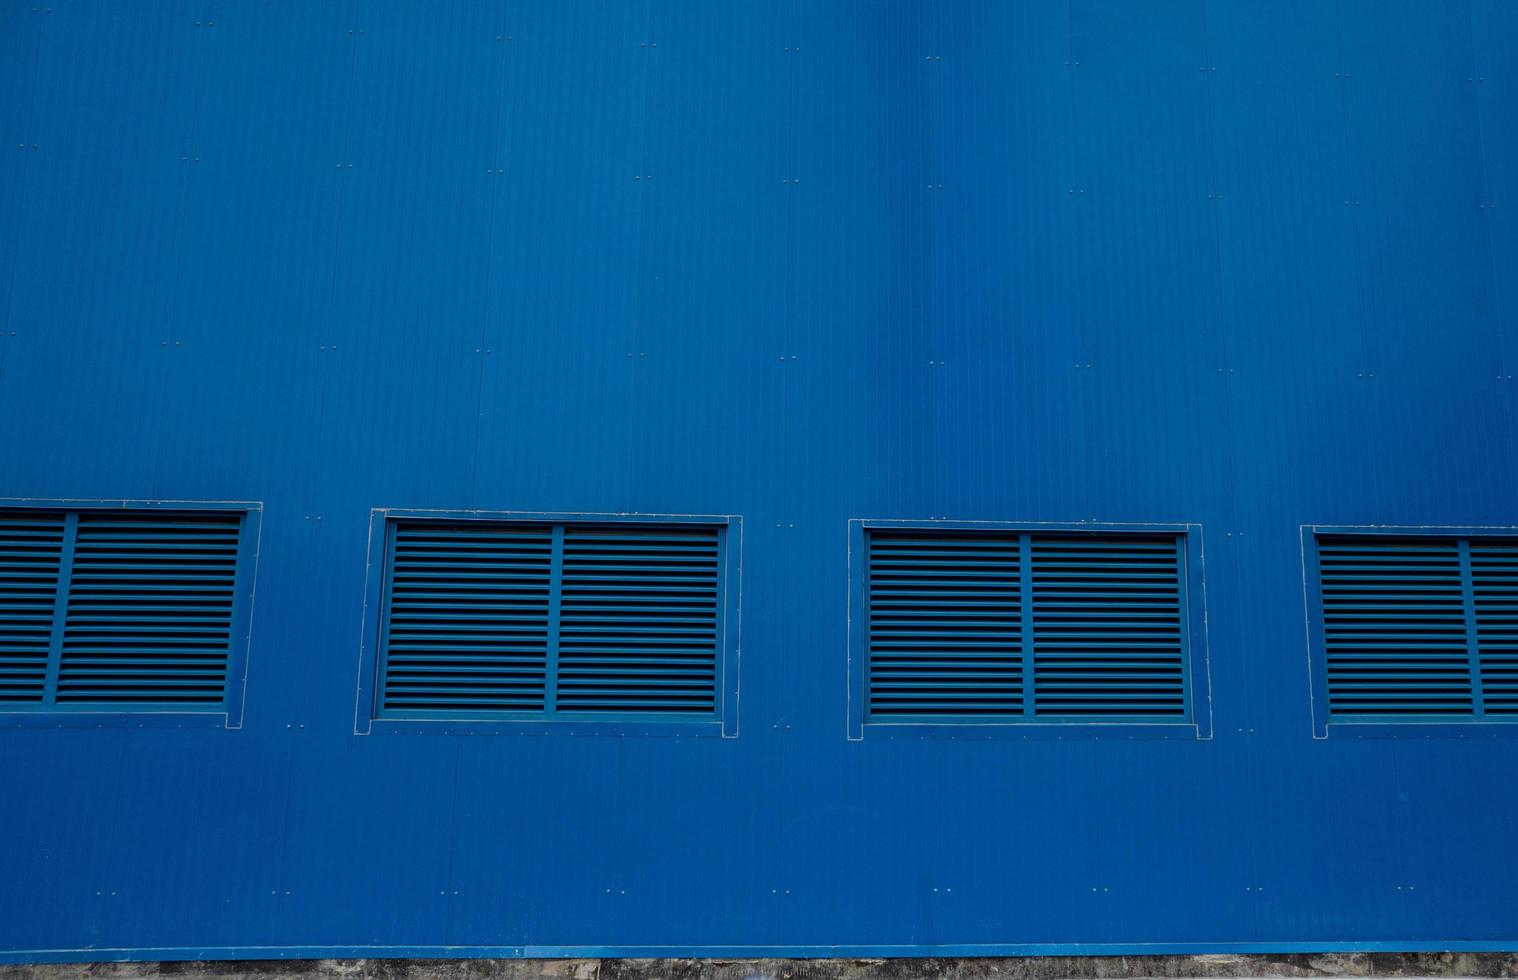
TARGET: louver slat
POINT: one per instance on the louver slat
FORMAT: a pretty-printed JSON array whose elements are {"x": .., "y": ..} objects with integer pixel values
[
  {"x": 31, "y": 552},
  {"x": 944, "y": 623},
  {"x": 638, "y": 620},
  {"x": 467, "y": 617},
  {"x": 1394, "y": 626},
  {"x": 1108, "y": 631},
  {"x": 1494, "y": 579},
  {"x": 150, "y": 604}
]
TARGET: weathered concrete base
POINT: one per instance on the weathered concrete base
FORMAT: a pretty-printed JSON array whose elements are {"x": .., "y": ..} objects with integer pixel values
[{"x": 989, "y": 968}]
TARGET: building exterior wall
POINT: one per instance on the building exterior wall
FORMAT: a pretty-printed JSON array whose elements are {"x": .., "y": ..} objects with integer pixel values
[{"x": 1243, "y": 266}]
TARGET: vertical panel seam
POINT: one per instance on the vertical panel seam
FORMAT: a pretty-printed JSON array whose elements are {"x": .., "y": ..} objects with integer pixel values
[
  {"x": 188, "y": 161},
  {"x": 495, "y": 173},
  {"x": 788, "y": 326},
  {"x": 1077, "y": 236},
  {"x": 325, "y": 327},
  {"x": 1342, "y": 76},
  {"x": 105, "y": 892},
  {"x": 1475, "y": 81},
  {"x": 26, "y": 169},
  {"x": 1498, "y": 295},
  {"x": 1223, "y": 353},
  {"x": 932, "y": 315},
  {"x": 640, "y": 279},
  {"x": 1358, "y": 260},
  {"x": 449, "y": 892}
]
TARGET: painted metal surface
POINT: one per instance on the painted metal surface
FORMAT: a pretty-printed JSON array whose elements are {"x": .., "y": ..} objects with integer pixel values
[{"x": 1245, "y": 266}]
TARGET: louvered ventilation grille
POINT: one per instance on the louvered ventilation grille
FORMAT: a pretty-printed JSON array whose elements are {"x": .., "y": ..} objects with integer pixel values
[
  {"x": 957, "y": 629},
  {"x": 467, "y": 609},
  {"x": 497, "y": 617},
  {"x": 638, "y": 620},
  {"x": 1107, "y": 626},
  {"x": 1494, "y": 578},
  {"x": 31, "y": 550},
  {"x": 149, "y": 617},
  {"x": 1394, "y": 626},
  {"x": 944, "y": 624}
]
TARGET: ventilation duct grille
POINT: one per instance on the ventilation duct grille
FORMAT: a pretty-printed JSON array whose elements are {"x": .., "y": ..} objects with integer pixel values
[
  {"x": 467, "y": 616},
  {"x": 1394, "y": 626},
  {"x": 638, "y": 620},
  {"x": 150, "y": 606},
  {"x": 31, "y": 552},
  {"x": 1108, "y": 630},
  {"x": 986, "y": 625},
  {"x": 945, "y": 625}
]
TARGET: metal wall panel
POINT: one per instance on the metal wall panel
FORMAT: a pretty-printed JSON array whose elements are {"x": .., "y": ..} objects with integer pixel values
[{"x": 1244, "y": 266}]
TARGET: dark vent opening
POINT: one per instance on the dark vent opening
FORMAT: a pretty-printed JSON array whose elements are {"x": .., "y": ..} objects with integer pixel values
[
  {"x": 944, "y": 622},
  {"x": 467, "y": 617},
  {"x": 31, "y": 552},
  {"x": 638, "y": 621},
  {"x": 1108, "y": 629},
  {"x": 1494, "y": 581},
  {"x": 1394, "y": 626},
  {"x": 149, "y": 612},
  {"x": 508, "y": 618},
  {"x": 983, "y": 625}
]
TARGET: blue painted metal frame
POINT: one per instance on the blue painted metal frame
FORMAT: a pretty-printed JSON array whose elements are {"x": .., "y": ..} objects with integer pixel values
[
  {"x": 1392, "y": 726},
  {"x": 368, "y": 719},
  {"x": 1196, "y": 725},
  {"x": 97, "y": 715}
]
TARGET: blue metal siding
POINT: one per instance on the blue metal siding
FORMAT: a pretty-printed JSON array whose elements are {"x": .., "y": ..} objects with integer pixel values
[{"x": 1240, "y": 265}]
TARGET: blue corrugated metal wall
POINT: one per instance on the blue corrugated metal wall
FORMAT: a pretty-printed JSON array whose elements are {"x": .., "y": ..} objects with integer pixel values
[{"x": 1247, "y": 265}]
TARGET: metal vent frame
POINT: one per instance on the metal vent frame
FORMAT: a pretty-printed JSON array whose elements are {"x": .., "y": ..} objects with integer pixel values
[
  {"x": 83, "y": 714},
  {"x": 1479, "y": 723},
  {"x": 370, "y": 718},
  {"x": 1197, "y": 724}
]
